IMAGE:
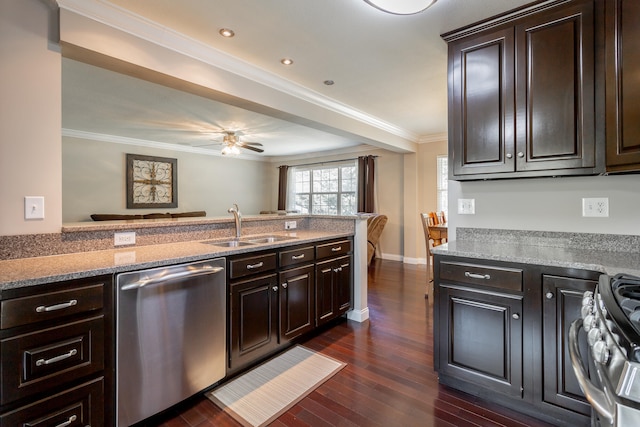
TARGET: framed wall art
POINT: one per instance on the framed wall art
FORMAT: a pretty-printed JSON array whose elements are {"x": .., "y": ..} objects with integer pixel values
[{"x": 152, "y": 182}]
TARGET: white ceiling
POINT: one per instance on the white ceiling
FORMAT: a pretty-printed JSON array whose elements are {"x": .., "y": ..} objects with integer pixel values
[{"x": 389, "y": 67}]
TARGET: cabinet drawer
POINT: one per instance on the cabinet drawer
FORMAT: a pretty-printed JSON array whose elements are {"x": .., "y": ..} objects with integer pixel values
[
  {"x": 485, "y": 275},
  {"x": 44, "y": 360},
  {"x": 251, "y": 265},
  {"x": 333, "y": 249},
  {"x": 76, "y": 407},
  {"x": 50, "y": 305},
  {"x": 296, "y": 256}
]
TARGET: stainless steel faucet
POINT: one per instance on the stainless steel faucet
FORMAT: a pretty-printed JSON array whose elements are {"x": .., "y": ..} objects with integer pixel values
[{"x": 237, "y": 216}]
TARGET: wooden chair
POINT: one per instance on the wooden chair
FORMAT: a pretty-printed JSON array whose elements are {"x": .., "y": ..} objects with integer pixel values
[
  {"x": 432, "y": 238},
  {"x": 427, "y": 220}
]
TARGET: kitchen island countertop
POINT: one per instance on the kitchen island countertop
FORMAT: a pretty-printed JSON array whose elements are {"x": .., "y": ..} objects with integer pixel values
[{"x": 16, "y": 273}]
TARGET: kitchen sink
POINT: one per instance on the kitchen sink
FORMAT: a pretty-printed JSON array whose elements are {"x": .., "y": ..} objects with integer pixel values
[
  {"x": 230, "y": 243},
  {"x": 268, "y": 239}
]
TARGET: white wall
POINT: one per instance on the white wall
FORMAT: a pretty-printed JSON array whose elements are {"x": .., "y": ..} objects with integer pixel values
[
  {"x": 93, "y": 181},
  {"x": 551, "y": 204},
  {"x": 30, "y": 116}
]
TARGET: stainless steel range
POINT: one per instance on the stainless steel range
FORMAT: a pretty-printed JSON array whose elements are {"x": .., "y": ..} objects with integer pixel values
[{"x": 611, "y": 324}]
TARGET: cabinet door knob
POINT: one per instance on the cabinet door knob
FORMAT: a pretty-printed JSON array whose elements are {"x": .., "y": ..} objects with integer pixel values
[
  {"x": 520, "y": 154},
  {"x": 515, "y": 316},
  {"x": 284, "y": 285},
  {"x": 509, "y": 156},
  {"x": 549, "y": 295},
  {"x": 275, "y": 289}
]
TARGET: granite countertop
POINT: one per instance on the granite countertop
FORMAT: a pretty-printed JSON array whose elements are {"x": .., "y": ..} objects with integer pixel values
[
  {"x": 605, "y": 261},
  {"x": 23, "y": 272}
]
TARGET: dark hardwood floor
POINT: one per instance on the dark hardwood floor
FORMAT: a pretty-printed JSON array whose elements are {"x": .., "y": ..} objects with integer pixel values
[{"x": 389, "y": 379}]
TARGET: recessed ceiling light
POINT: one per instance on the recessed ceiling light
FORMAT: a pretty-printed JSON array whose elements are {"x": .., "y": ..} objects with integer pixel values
[
  {"x": 286, "y": 61},
  {"x": 329, "y": 82},
  {"x": 226, "y": 32},
  {"x": 401, "y": 7}
]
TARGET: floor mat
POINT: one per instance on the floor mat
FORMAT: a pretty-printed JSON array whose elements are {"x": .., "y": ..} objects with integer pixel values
[{"x": 261, "y": 395}]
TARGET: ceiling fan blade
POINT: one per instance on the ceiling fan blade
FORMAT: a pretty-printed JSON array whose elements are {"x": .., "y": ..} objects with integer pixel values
[
  {"x": 243, "y": 143},
  {"x": 248, "y": 147}
]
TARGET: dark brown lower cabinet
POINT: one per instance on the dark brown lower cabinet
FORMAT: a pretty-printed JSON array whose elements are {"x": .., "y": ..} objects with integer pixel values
[
  {"x": 253, "y": 320},
  {"x": 277, "y": 296},
  {"x": 56, "y": 346},
  {"x": 562, "y": 302},
  {"x": 78, "y": 406},
  {"x": 481, "y": 338},
  {"x": 296, "y": 302},
  {"x": 333, "y": 288},
  {"x": 501, "y": 332}
]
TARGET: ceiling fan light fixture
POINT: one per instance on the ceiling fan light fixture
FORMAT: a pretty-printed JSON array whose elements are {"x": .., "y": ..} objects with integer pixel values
[
  {"x": 226, "y": 32},
  {"x": 401, "y": 7},
  {"x": 230, "y": 150}
]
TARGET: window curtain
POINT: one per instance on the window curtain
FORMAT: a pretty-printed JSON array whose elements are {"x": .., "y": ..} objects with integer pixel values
[
  {"x": 366, "y": 184},
  {"x": 282, "y": 187}
]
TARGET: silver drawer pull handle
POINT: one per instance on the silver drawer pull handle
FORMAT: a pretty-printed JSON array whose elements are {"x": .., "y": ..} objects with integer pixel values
[
  {"x": 44, "y": 308},
  {"x": 297, "y": 256},
  {"x": 476, "y": 276},
  {"x": 252, "y": 266},
  {"x": 336, "y": 249},
  {"x": 41, "y": 362},
  {"x": 71, "y": 419}
]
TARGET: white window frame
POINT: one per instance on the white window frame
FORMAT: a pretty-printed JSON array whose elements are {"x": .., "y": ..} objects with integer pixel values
[
  {"x": 442, "y": 184},
  {"x": 292, "y": 193}
]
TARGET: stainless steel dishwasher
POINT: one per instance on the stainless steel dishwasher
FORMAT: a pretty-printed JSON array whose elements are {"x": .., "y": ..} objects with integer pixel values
[{"x": 170, "y": 336}]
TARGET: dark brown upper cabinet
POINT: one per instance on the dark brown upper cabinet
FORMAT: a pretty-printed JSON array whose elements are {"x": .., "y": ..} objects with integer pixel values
[
  {"x": 522, "y": 94},
  {"x": 622, "y": 59}
]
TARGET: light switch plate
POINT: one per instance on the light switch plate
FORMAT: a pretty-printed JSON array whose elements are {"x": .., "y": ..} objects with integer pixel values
[
  {"x": 34, "y": 207},
  {"x": 467, "y": 206}
]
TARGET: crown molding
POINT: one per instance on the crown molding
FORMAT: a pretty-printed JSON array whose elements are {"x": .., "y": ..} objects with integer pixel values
[
  {"x": 93, "y": 136},
  {"x": 435, "y": 137},
  {"x": 116, "y": 17}
]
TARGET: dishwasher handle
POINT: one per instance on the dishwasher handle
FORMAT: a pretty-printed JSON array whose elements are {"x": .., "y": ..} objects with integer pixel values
[{"x": 205, "y": 269}]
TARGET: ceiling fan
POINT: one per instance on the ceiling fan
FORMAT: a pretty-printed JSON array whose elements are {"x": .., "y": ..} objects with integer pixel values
[{"x": 232, "y": 144}]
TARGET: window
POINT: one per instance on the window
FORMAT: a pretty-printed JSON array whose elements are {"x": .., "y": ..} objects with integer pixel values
[
  {"x": 443, "y": 185},
  {"x": 324, "y": 189}
]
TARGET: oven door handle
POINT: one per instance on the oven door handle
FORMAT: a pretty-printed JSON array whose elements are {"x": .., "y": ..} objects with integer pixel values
[{"x": 596, "y": 397}]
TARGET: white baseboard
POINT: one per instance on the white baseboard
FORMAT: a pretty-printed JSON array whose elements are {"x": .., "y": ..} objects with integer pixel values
[
  {"x": 391, "y": 257},
  {"x": 358, "y": 315},
  {"x": 406, "y": 260}
]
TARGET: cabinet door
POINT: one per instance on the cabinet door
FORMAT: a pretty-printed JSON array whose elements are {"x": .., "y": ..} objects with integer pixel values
[
  {"x": 325, "y": 300},
  {"x": 555, "y": 89},
  {"x": 296, "y": 302},
  {"x": 622, "y": 51},
  {"x": 562, "y": 298},
  {"x": 481, "y": 104},
  {"x": 481, "y": 339},
  {"x": 253, "y": 320},
  {"x": 344, "y": 283}
]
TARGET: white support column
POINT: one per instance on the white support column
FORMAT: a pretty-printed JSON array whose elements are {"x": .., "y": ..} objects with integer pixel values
[{"x": 360, "y": 310}]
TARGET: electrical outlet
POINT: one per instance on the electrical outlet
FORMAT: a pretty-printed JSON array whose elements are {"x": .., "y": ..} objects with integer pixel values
[
  {"x": 124, "y": 238},
  {"x": 290, "y": 225},
  {"x": 595, "y": 207},
  {"x": 34, "y": 207},
  {"x": 467, "y": 206}
]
